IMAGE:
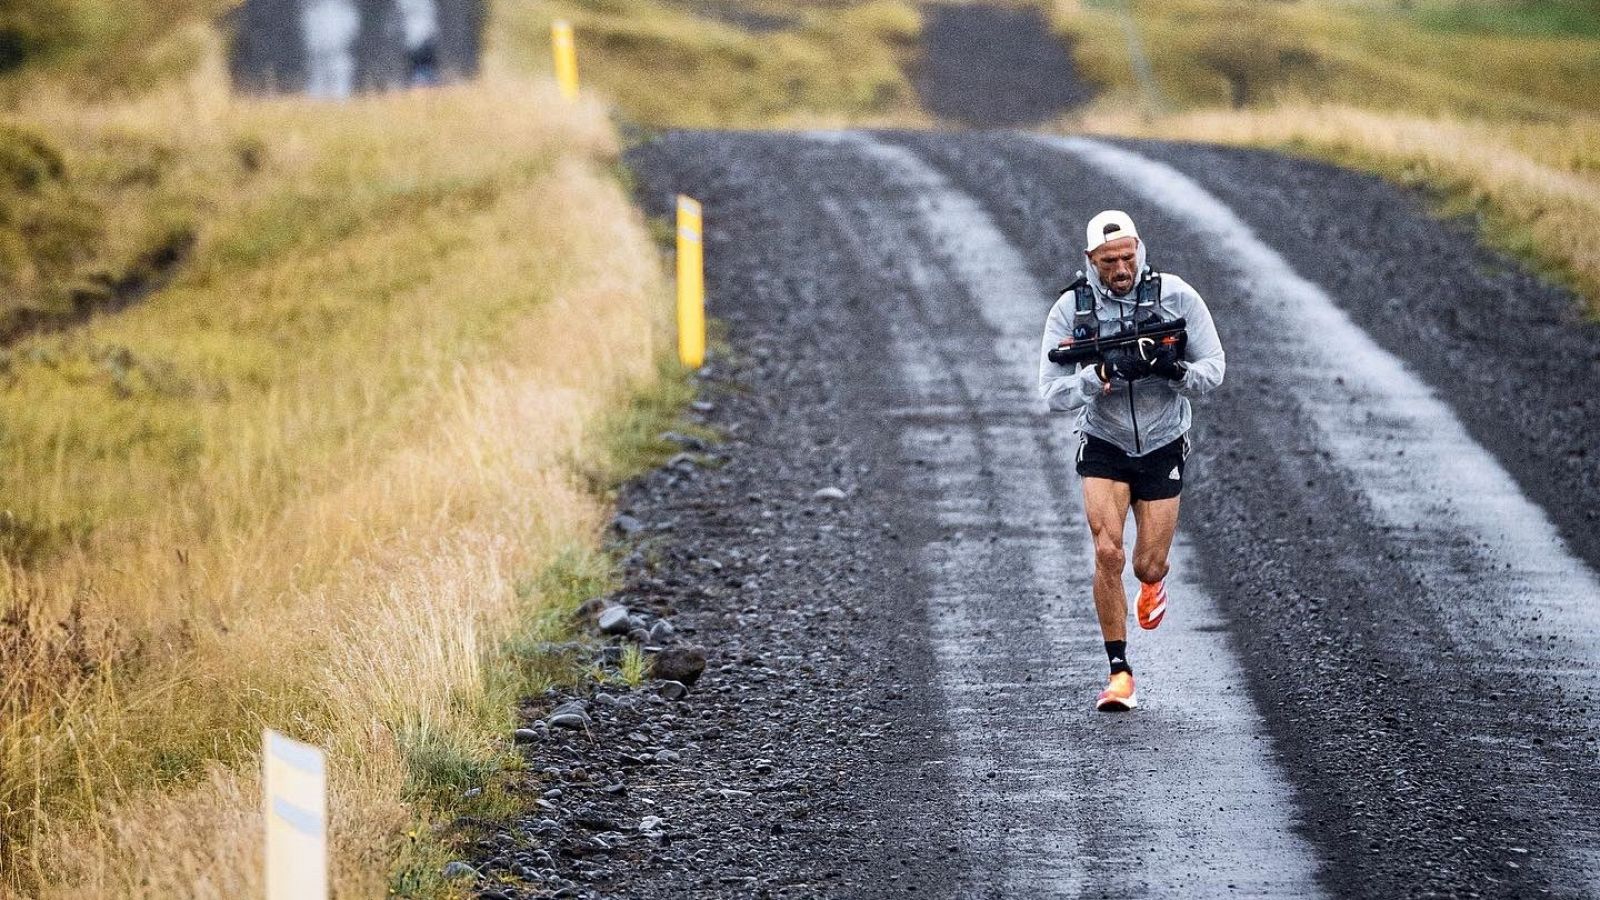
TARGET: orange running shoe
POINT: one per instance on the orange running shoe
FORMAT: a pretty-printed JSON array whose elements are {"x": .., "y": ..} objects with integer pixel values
[
  {"x": 1118, "y": 695},
  {"x": 1152, "y": 604}
]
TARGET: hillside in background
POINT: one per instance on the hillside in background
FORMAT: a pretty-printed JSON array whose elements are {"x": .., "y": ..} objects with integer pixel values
[
  {"x": 1489, "y": 106},
  {"x": 734, "y": 63}
]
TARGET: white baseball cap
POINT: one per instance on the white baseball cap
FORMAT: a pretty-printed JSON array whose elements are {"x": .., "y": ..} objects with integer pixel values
[{"x": 1108, "y": 226}]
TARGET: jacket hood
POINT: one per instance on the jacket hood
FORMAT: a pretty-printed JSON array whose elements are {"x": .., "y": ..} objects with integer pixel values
[{"x": 1093, "y": 275}]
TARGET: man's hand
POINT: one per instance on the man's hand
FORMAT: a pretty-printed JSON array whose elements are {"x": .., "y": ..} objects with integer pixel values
[
  {"x": 1124, "y": 364},
  {"x": 1167, "y": 364}
]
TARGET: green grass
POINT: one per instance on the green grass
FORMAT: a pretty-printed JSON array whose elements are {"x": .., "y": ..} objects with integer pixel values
[
  {"x": 461, "y": 777},
  {"x": 89, "y": 218},
  {"x": 344, "y": 475},
  {"x": 49, "y": 231},
  {"x": 634, "y": 667},
  {"x": 30, "y": 30},
  {"x": 349, "y": 394},
  {"x": 453, "y": 784},
  {"x": 634, "y": 432},
  {"x": 1545, "y": 18}
]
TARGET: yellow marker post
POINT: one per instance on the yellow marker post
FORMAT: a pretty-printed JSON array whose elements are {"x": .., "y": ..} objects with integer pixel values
[
  {"x": 566, "y": 57},
  {"x": 294, "y": 793},
  {"x": 691, "y": 284}
]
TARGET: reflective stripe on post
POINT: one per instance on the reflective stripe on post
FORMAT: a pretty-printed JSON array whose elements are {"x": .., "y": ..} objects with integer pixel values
[
  {"x": 294, "y": 789},
  {"x": 691, "y": 285},
  {"x": 565, "y": 49}
]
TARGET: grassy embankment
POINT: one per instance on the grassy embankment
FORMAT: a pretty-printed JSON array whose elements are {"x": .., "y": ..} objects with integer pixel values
[
  {"x": 760, "y": 63},
  {"x": 1488, "y": 105},
  {"x": 338, "y": 477}
]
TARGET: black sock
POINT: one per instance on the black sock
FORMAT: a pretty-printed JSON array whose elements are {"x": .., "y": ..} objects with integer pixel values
[{"x": 1117, "y": 652}]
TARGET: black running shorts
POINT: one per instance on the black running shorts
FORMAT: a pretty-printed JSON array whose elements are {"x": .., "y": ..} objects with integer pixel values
[{"x": 1157, "y": 475}]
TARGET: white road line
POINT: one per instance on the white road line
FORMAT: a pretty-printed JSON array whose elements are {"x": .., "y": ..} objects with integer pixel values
[
  {"x": 1476, "y": 539},
  {"x": 1019, "y": 830},
  {"x": 1203, "y": 808}
]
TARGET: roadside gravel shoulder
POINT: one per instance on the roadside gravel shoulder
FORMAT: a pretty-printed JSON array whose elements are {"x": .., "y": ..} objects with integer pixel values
[{"x": 806, "y": 760}]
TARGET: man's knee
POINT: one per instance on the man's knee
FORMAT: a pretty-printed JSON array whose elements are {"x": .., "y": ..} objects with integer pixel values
[
  {"x": 1108, "y": 553},
  {"x": 1151, "y": 568}
]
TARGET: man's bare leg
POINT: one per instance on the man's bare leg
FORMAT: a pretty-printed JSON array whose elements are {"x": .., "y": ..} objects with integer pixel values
[
  {"x": 1106, "y": 503},
  {"x": 1156, "y": 522}
]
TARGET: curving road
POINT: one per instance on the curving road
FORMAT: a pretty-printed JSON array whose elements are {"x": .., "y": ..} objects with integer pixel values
[{"x": 1379, "y": 673}]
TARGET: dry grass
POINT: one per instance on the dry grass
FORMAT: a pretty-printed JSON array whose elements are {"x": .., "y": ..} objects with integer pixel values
[
  {"x": 767, "y": 64},
  {"x": 311, "y": 484},
  {"x": 1487, "y": 105}
]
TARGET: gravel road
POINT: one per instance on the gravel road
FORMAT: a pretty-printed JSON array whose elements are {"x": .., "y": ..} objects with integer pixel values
[{"x": 1378, "y": 675}]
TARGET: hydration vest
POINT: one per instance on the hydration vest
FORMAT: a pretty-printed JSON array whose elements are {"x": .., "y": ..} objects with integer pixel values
[{"x": 1086, "y": 325}]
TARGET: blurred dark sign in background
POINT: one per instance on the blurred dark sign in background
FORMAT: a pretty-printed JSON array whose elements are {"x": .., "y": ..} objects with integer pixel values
[{"x": 333, "y": 48}]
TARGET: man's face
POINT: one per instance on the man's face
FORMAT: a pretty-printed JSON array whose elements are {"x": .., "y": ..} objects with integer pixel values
[{"x": 1117, "y": 262}]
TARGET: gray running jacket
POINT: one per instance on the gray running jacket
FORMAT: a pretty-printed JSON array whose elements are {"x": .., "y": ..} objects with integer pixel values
[{"x": 1147, "y": 414}]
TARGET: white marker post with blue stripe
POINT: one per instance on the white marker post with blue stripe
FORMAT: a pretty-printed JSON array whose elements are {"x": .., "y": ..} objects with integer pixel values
[{"x": 295, "y": 795}]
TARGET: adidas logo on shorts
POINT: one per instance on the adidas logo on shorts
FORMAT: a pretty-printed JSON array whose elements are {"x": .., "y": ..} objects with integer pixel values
[{"x": 1175, "y": 475}]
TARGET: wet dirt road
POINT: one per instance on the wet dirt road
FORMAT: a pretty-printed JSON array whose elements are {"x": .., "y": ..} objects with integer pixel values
[
  {"x": 1378, "y": 674},
  {"x": 995, "y": 67}
]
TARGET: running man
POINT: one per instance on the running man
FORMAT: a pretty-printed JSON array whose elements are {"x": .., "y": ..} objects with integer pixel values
[{"x": 1133, "y": 413}]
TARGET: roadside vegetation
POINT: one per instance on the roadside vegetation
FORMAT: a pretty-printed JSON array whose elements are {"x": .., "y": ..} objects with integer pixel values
[
  {"x": 1488, "y": 104},
  {"x": 738, "y": 63},
  {"x": 343, "y": 474}
]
